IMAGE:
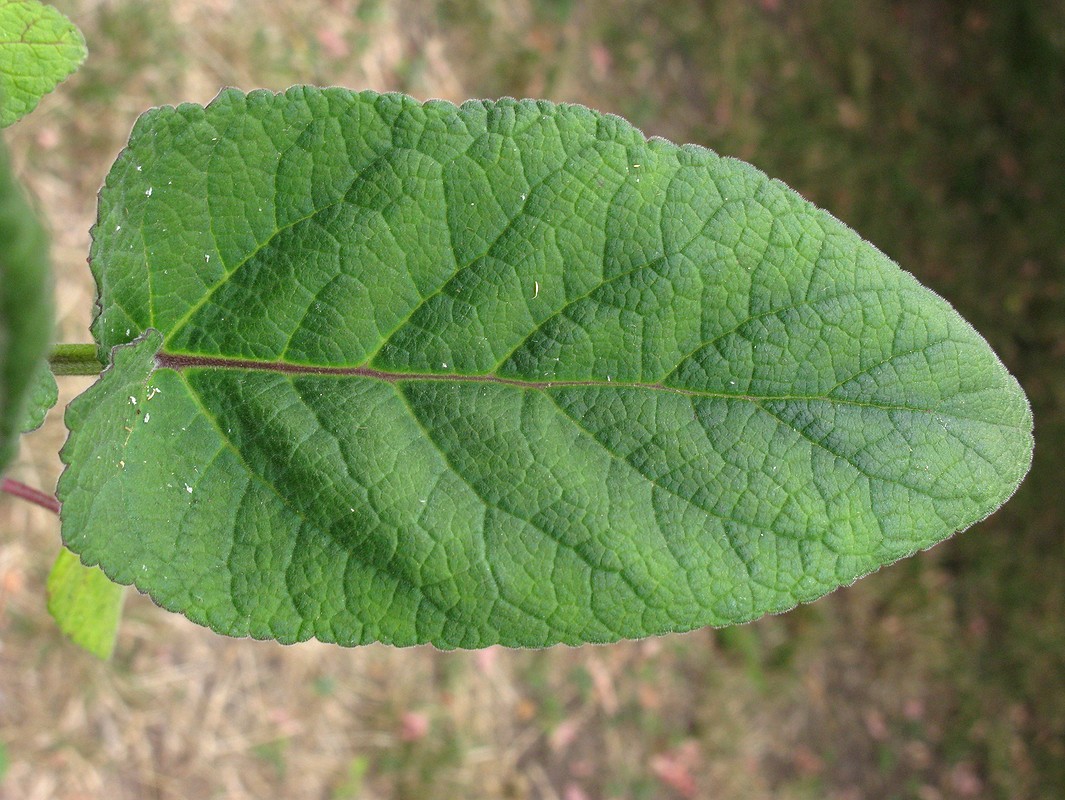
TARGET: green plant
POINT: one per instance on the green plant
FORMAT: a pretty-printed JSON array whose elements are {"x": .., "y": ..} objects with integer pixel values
[{"x": 505, "y": 373}]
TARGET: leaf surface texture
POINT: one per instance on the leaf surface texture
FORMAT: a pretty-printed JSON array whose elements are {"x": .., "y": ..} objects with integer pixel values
[{"x": 508, "y": 372}]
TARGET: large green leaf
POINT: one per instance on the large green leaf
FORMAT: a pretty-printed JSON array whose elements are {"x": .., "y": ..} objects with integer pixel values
[
  {"x": 39, "y": 48},
  {"x": 508, "y": 372},
  {"x": 25, "y": 313}
]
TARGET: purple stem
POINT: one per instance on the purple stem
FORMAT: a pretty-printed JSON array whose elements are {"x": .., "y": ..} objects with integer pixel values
[{"x": 21, "y": 490}]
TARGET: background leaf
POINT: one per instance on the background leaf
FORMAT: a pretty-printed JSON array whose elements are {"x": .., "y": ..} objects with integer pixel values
[
  {"x": 39, "y": 48},
  {"x": 85, "y": 604},
  {"x": 506, "y": 373},
  {"x": 25, "y": 310},
  {"x": 43, "y": 395}
]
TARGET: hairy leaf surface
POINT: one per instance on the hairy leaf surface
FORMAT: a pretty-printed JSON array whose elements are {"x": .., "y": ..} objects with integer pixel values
[
  {"x": 504, "y": 373},
  {"x": 39, "y": 48}
]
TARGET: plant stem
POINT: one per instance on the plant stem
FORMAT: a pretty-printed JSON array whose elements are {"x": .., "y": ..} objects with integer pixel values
[
  {"x": 21, "y": 490},
  {"x": 75, "y": 359}
]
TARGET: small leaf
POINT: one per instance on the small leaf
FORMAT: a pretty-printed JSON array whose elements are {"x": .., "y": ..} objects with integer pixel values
[
  {"x": 85, "y": 604},
  {"x": 25, "y": 310},
  {"x": 39, "y": 49},
  {"x": 43, "y": 395},
  {"x": 505, "y": 373}
]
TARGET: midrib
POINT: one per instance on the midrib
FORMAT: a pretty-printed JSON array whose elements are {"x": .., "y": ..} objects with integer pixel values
[{"x": 184, "y": 361}]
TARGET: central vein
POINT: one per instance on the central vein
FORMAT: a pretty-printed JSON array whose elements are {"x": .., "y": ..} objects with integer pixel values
[{"x": 182, "y": 361}]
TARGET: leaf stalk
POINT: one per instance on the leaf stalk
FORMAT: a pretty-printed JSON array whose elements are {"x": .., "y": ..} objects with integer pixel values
[
  {"x": 24, "y": 492},
  {"x": 75, "y": 359}
]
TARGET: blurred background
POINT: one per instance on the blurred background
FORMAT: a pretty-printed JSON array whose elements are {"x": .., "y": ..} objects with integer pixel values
[{"x": 934, "y": 127}]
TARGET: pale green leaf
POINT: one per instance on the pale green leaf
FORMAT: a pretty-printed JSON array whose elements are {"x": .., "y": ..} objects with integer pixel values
[
  {"x": 85, "y": 604},
  {"x": 39, "y": 49},
  {"x": 25, "y": 311},
  {"x": 505, "y": 373}
]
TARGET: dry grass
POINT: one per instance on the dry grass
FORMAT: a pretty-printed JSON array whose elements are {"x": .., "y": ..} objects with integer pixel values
[{"x": 842, "y": 699}]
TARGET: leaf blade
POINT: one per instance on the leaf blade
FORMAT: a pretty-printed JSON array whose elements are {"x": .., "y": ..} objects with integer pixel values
[
  {"x": 636, "y": 387},
  {"x": 39, "y": 49},
  {"x": 86, "y": 606},
  {"x": 43, "y": 396},
  {"x": 25, "y": 311}
]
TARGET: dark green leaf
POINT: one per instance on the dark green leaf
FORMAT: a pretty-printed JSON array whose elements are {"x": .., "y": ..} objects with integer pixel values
[
  {"x": 25, "y": 310},
  {"x": 43, "y": 395},
  {"x": 509, "y": 373}
]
